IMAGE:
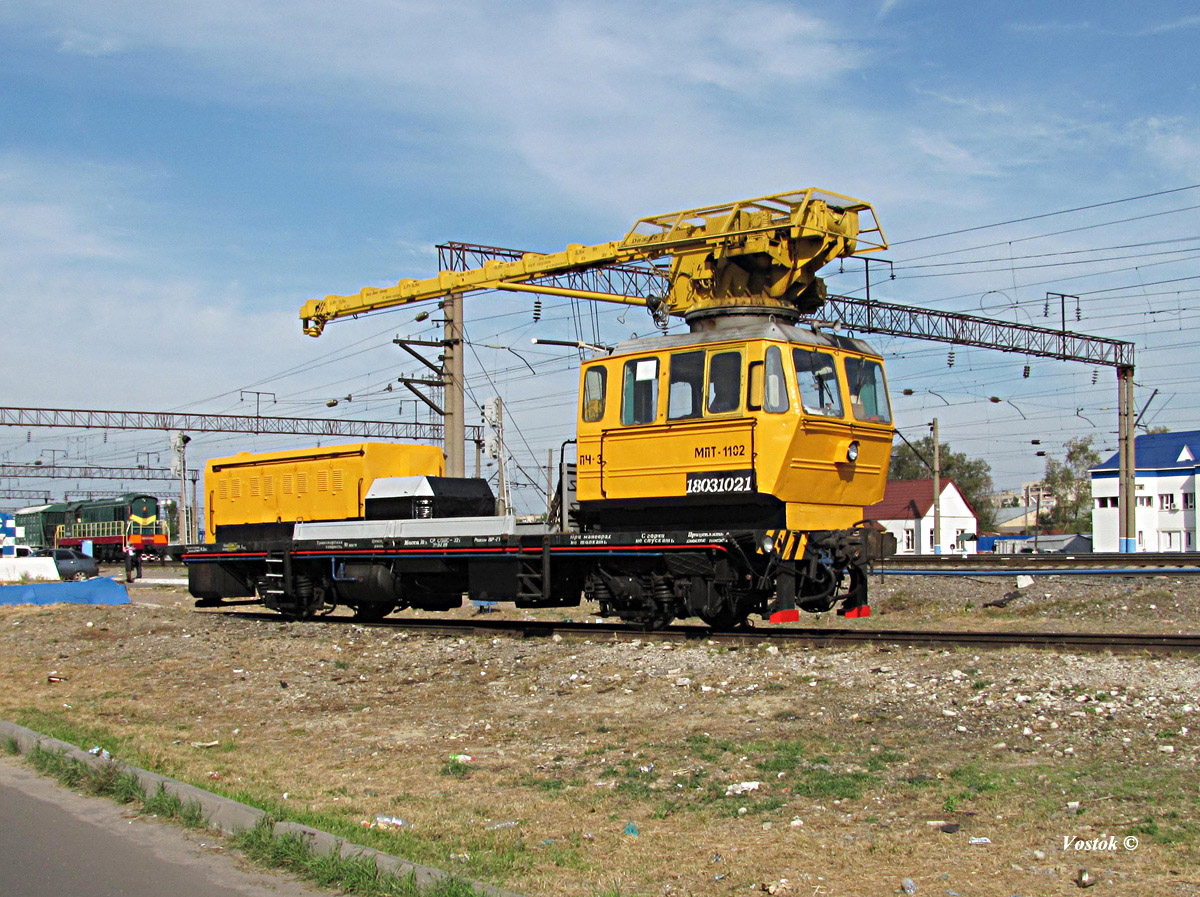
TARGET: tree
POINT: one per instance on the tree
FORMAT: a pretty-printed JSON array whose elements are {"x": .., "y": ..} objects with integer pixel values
[
  {"x": 171, "y": 512},
  {"x": 973, "y": 476},
  {"x": 1070, "y": 482}
]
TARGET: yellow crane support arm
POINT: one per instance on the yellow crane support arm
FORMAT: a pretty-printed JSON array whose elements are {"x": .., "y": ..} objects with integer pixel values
[{"x": 761, "y": 252}]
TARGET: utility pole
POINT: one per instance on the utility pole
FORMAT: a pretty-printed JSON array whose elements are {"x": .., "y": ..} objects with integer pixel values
[
  {"x": 937, "y": 490},
  {"x": 455, "y": 422},
  {"x": 179, "y": 444},
  {"x": 1127, "y": 462},
  {"x": 1037, "y": 521},
  {"x": 493, "y": 416},
  {"x": 549, "y": 483},
  {"x": 195, "y": 527}
]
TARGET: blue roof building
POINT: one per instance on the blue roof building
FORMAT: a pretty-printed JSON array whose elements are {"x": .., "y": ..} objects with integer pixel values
[{"x": 1164, "y": 489}]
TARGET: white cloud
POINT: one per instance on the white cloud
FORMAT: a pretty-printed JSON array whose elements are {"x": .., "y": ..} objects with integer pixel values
[
  {"x": 627, "y": 92},
  {"x": 81, "y": 43},
  {"x": 950, "y": 156},
  {"x": 1184, "y": 23},
  {"x": 1172, "y": 142},
  {"x": 54, "y": 214},
  {"x": 97, "y": 312},
  {"x": 48, "y": 232},
  {"x": 1128, "y": 29}
]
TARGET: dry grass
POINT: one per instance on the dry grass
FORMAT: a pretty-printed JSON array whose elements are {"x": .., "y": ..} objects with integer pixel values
[{"x": 333, "y": 724}]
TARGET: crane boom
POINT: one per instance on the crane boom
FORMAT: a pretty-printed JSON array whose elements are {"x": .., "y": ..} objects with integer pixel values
[{"x": 752, "y": 254}]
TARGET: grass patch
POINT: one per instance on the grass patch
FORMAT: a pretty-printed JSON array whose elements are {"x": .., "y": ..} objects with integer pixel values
[
  {"x": 495, "y": 855},
  {"x": 56, "y": 725},
  {"x": 709, "y": 749},
  {"x": 106, "y": 779},
  {"x": 1166, "y": 833},
  {"x": 169, "y": 806},
  {"x": 882, "y": 760},
  {"x": 549, "y": 785},
  {"x": 974, "y": 781},
  {"x": 112, "y": 781},
  {"x": 784, "y": 756},
  {"x": 824, "y": 783},
  {"x": 455, "y": 769},
  {"x": 357, "y": 875}
]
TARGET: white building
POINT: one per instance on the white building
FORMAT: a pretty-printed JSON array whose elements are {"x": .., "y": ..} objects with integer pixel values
[
  {"x": 1164, "y": 489},
  {"x": 907, "y": 513}
]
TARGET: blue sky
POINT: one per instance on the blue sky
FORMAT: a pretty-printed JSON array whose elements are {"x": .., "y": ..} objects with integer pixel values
[{"x": 177, "y": 179}]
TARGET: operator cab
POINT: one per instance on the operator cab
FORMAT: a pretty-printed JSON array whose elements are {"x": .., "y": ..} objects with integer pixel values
[{"x": 765, "y": 424}]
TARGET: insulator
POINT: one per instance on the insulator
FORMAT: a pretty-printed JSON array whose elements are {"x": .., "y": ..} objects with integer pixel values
[
  {"x": 537, "y": 310},
  {"x": 1095, "y": 377},
  {"x": 950, "y": 359},
  {"x": 1046, "y": 309},
  {"x": 1025, "y": 373},
  {"x": 1078, "y": 312}
]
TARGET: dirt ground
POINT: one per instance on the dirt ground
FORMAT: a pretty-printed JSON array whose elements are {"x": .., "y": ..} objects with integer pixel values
[{"x": 593, "y": 767}]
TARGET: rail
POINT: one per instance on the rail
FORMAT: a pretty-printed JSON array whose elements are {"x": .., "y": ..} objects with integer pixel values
[
  {"x": 1089, "y": 642},
  {"x": 1080, "y": 564}
]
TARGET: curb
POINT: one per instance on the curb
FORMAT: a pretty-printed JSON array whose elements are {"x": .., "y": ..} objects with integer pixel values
[{"x": 232, "y": 817}]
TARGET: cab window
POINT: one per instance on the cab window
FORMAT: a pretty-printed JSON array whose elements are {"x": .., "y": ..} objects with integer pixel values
[
  {"x": 724, "y": 382},
  {"x": 686, "y": 391},
  {"x": 817, "y": 379},
  {"x": 594, "y": 382},
  {"x": 868, "y": 391},
  {"x": 775, "y": 397},
  {"x": 639, "y": 392}
]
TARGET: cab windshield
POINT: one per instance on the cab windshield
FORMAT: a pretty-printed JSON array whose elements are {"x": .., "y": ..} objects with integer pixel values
[
  {"x": 868, "y": 391},
  {"x": 817, "y": 380}
]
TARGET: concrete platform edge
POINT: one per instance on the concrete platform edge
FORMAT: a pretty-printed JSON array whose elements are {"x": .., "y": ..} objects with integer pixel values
[{"x": 231, "y": 817}]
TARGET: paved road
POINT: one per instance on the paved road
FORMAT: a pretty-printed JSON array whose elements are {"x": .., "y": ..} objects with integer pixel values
[{"x": 55, "y": 843}]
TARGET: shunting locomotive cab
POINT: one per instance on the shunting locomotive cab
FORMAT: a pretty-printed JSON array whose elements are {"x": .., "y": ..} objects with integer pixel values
[{"x": 779, "y": 429}]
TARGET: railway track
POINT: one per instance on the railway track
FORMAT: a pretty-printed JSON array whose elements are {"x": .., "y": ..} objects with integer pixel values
[
  {"x": 791, "y": 635},
  {"x": 1096, "y": 564}
]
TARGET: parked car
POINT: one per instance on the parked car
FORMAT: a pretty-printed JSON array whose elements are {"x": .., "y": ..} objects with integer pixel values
[{"x": 71, "y": 564}]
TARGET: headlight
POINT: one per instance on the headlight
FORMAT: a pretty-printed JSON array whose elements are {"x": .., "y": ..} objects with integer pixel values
[
  {"x": 852, "y": 452},
  {"x": 768, "y": 543}
]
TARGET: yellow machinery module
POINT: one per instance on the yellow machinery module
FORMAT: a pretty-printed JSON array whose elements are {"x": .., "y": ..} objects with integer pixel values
[{"x": 249, "y": 494}]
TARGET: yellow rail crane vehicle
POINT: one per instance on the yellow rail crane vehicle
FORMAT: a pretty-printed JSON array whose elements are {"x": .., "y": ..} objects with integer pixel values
[{"x": 720, "y": 472}]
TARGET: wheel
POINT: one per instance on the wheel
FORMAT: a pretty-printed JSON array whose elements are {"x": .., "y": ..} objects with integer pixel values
[
  {"x": 723, "y": 620},
  {"x": 731, "y": 609},
  {"x": 372, "y": 613},
  {"x": 80, "y": 576},
  {"x": 646, "y": 619}
]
